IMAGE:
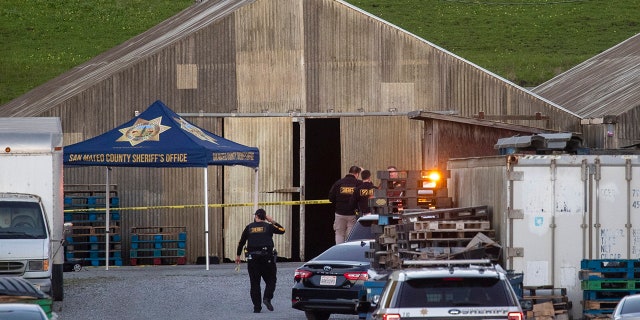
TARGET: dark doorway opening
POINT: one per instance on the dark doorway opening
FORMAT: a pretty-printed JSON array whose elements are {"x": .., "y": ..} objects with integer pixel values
[
  {"x": 295, "y": 196},
  {"x": 322, "y": 169}
]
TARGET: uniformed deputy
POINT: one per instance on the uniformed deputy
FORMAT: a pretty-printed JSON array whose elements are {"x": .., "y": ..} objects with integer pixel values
[
  {"x": 340, "y": 195},
  {"x": 261, "y": 257}
]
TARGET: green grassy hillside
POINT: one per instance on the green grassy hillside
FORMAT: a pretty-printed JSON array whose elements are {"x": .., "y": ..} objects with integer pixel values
[{"x": 525, "y": 41}]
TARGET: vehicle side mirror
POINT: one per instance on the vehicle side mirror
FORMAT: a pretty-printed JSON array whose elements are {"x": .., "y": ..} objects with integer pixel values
[
  {"x": 526, "y": 304},
  {"x": 67, "y": 228}
]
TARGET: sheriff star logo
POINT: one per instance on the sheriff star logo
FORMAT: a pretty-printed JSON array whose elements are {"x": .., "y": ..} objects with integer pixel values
[
  {"x": 188, "y": 127},
  {"x": 143, "y": 130}
]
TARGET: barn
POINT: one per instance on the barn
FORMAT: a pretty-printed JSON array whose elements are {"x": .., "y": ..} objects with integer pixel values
[{"x": 316, "y": 85}]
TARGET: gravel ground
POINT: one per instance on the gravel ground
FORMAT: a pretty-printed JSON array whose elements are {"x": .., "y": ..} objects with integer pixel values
[{"x": 172, "y": 292}]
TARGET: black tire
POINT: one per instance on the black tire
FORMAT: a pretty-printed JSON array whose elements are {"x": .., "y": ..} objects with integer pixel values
[
  {"x": 315, "y": 315},
  {"x": 57, "y": 285}
]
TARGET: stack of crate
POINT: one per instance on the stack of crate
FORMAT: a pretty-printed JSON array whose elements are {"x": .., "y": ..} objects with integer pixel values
[
  {"x": 604, "y": 282},
  {"x": 158, "y": 245},
  {"x": 86, "y": 244}
]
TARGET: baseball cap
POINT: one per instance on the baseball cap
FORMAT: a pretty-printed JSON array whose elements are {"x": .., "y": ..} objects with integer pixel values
[{"x": 261, "y": 214}]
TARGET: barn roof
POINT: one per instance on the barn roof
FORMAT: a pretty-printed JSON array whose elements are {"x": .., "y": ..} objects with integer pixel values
[
  {"x": 605, "y": 85},
  {"x": 196, "y": 17}
]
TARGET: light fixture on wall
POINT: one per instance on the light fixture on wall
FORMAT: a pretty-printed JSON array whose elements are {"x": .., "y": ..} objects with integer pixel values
[
  {"x": 136, "y": 113},
  {"x": 393, "y": 110}
]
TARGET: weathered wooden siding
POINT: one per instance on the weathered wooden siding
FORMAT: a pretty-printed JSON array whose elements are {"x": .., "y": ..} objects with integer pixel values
[
  {"x": 473, "y": 182},
  {"x": 374, "y": 143},
  {"x": 273, "y": 137},
  {"x": 445, "y": 140},
  {"x": 627, "y": 130}
]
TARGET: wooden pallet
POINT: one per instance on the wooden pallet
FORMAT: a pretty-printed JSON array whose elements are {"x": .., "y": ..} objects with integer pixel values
[
  {"x": 78, "y": 231},
  {"x": 455, "y": 225},
  {"x": 448, "y": 235},
  {"x": 158, "y": 230}
]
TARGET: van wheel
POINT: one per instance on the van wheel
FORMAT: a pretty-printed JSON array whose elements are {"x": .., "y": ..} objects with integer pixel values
[{"x": 313, "y": 315}]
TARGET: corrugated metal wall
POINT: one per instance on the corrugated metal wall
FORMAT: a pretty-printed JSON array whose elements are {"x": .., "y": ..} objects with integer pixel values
[
  {"x": 627, "y": 131},
  {"x": 374, "y": 143},
  {"x": 273, "y": 136},
  {"x": 473, "y": 182},
  {"x": 447, "y": 139}
]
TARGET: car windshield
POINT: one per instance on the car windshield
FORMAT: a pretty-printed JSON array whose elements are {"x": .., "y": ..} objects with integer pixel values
[
  {"x": 449, "y": 292},
  {"x": 346, "y": 252},
  {"x": 631, "y": 305},
  {"x": 361, "y": 230},
  {"x": 19, "y": 220}
]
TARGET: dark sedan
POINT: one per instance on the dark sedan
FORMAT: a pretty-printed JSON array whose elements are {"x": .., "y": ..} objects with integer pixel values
[{"x": 331, "y": 282}]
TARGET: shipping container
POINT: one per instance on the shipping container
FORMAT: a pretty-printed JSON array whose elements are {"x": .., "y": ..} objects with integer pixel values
[{"x": 553, "y": 211}]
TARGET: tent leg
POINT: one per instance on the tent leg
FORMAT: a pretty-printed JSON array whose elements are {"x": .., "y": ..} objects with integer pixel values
[
  {"x": 206, "y": 218},
  {"x": 255, "y": 191},
  {"x": 107, "y": 219}
]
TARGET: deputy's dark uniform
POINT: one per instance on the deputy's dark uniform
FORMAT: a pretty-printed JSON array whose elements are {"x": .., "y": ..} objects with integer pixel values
[
  {"x": 361, "y": 195},
  {"x": 260, "y": 258}
]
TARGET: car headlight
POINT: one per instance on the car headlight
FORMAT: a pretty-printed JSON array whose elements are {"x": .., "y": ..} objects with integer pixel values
[{"x": 38, "y": 265}]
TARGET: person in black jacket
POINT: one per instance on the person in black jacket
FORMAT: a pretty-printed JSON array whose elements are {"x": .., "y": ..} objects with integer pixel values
[
  {"x": 362, "y": 193},
  {"x": 340, "y": 195},
  {"x": 261, "y": 257}
]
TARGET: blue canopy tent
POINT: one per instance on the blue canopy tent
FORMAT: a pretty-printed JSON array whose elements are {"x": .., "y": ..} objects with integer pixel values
[{"x": 158, "y": 137}]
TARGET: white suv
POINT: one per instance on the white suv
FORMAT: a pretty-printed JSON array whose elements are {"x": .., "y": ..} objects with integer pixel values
[{"x": 452, "y": 289}]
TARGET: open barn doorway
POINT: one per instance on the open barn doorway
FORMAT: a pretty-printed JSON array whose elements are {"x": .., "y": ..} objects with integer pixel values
[{"x": 322, "y": 169}]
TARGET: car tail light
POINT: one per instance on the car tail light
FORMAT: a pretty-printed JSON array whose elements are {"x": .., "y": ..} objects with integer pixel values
[
  {"x": 354, "y": 276},
  {"x": 515, "y": 316},
  {"x": 391, "y": 317},
  {"x": 302, "y": 274}
]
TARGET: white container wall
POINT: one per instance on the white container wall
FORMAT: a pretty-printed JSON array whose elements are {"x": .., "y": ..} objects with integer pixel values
[{"x": 558, "y": 210}]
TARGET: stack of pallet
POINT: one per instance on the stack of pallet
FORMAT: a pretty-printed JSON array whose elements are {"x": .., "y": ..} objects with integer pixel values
[
  {"x": 158, "y": 245},
  {"x": 85, "y": 209},
  {"x": 546, "y": 303},
  {"x": 425, "y": 232},
  {"x": 426, "y": 238},
  {"x": 605, "y": 282}
]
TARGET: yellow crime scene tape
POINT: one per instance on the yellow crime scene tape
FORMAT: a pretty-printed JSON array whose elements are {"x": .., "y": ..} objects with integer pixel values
[{"x": 217, "y": 205}]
